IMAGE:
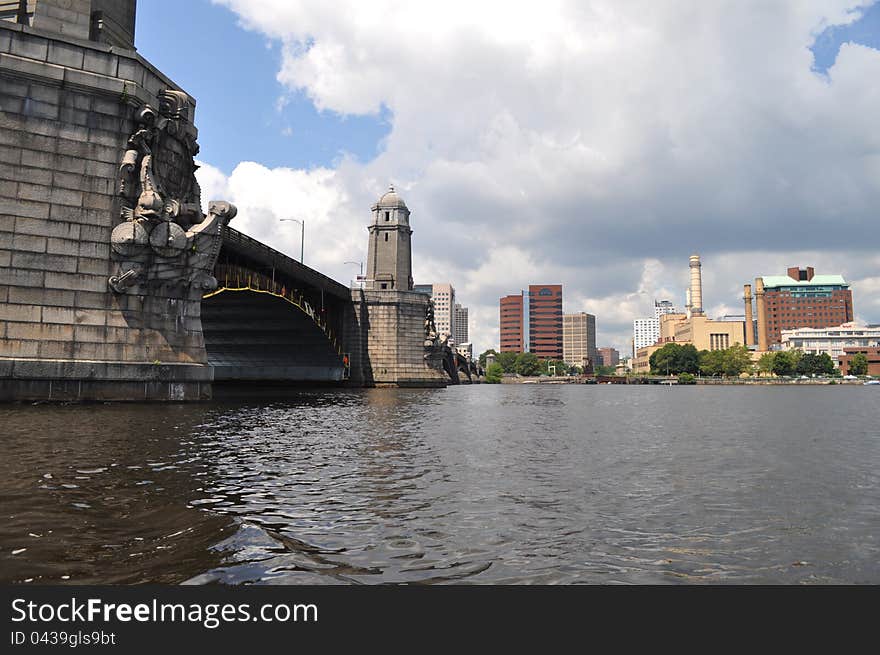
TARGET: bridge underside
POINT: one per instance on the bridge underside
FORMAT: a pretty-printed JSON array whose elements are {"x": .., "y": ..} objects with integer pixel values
[{"x": 259, "y": 337}]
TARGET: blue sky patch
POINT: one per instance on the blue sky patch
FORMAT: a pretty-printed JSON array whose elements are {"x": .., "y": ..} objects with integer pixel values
[
  {"x": 864, "y": 31},
  {"x": 232, "y": 72}
]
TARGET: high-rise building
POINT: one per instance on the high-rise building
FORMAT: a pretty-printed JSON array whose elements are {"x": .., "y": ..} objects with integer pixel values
[
  {"x": 609, "y": 356},
  {"x": 662, "y": 307},
  {"x": 531, "y": 321},
  {"x": 511, "y": 324},
  {"x": 443, "y": 296},
  {"x": 460, "y": 324},
  {"x": 545, "y": 320},
  {"x": 579, "y": 339},
  {"x": 800, "y": 299},
  {"x": 646, "y": 331}
]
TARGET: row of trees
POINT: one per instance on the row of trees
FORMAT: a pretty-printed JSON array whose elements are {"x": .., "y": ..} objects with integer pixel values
[
  {"x": 526, "y": 364},
  {"x": 676, "y": 359},
  {"x": 795, "y": 362}
]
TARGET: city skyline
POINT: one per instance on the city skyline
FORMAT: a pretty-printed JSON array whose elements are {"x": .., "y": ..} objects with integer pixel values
[{"x": 757, "y": 167}]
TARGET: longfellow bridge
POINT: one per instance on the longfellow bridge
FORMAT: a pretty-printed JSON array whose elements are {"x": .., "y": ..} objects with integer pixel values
[{"x": 113, "y": 282}]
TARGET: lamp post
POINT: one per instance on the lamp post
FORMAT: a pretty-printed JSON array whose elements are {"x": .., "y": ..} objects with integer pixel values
[
  {"x": 302, "y": 236},
  {"x": 361, "y": 274}
]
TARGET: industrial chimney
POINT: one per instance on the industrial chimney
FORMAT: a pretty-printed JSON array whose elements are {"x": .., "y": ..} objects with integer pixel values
[
  {"x": 762, "y": 314},
  {"x": 696, "y": 286},
  {"x": 749, "y": 324}
]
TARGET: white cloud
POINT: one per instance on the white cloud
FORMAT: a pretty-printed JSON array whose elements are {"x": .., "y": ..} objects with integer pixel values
[{"x": 594, "y": 144}]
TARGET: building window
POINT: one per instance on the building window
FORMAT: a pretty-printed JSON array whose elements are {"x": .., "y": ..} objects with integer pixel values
[
  {"x": 387, "y": 216},
  {"x": 384, "y": 285},
  {"x": 386, "y": 236}
]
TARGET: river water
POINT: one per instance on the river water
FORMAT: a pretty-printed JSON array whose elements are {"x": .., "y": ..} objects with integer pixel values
[{"x": 471, "y": 484}]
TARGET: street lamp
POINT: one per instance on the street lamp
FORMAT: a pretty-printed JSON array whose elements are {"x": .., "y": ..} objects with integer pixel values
[
  {"x": 302, "y": 236},
  {"x": 361, "y": 274}
]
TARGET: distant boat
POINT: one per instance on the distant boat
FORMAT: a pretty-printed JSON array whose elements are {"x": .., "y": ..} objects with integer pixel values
[{"x": 872, "y": 382}]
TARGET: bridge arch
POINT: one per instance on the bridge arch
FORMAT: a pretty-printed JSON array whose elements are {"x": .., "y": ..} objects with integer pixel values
[{"x": 271, "y": 319}]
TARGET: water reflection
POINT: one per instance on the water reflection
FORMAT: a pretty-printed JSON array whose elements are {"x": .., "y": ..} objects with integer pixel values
[{"x": 506, "y": 484}]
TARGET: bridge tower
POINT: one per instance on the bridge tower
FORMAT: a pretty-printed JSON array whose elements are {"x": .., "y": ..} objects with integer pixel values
[{"x": 389, "y": 254}]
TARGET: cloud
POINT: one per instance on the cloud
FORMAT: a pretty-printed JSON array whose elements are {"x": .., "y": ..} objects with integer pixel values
[{"x": 594, "y": 144}]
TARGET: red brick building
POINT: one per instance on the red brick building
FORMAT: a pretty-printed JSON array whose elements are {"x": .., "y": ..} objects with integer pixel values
[
  {"x": 803, "y": 299},
  {"x": 511, "y": 323},
  {"x": 873, "y": 355},
  {"x": 609, "y": 356},
  {"x": 545, "y": 320}
]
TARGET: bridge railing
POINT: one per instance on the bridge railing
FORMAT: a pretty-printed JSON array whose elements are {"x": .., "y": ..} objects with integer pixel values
[{"x": 238, "y": 278}]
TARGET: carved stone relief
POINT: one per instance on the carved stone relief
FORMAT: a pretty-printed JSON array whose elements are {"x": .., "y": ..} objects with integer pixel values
[{"x": 164, "y": 238}]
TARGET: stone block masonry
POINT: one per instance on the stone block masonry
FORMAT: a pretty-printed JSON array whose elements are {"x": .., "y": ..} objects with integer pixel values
[
  {"x": 67, "y": 108},
  {"x": 385, "y": 335}
]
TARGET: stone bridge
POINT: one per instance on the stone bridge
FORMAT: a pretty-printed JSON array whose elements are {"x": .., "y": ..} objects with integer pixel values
[
  {"x": 114, "y": 285},
  {"x": 272, "y": 318}
]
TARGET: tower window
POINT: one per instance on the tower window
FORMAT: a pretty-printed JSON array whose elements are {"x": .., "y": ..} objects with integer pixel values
[
  {"x": 384, "y": 285},
  {"x": 387, "y": 216},
  {"x": 386, "y": 236}
]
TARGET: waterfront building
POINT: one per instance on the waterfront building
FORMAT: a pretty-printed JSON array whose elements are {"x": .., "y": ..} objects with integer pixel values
[
  {"x": 460, "y": 324},
  {"x": 646, "y": 331},
  {"x": 513, "y": 338},
  {"x": 545, "y": 321},
  {"x": 832, "y": 340},
  {"x": 579, "y": 339},
  {"x": 872, "y": 353},
  {"x": 800, "y": 299},
  {"x": 609, "y": 356},
  {"x": 532, "y": 321}
]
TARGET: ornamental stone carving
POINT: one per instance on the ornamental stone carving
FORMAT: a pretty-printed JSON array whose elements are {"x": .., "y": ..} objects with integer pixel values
[{"x": 164, "y": 238}]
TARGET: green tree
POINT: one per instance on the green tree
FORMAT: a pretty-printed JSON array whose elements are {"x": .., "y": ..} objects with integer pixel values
[
  {"x": 674, "y": 358},
  {"x": 688, "y": 359},
  {"x": 858, "y": 365},
  {"x": 686, "y": 378},
  {"x": 482, "y": 358},
  {"x": 527, "y": 364},
  {"x": 605, "y": 370},
  {"x": 507, "y": 361},
  {"x": 785, "y": 362},
  {"x": 736, "y": 360},
  {"x": 712, "y": 362},
  {"x": 494, "y": 373},
  {"x": 811, "y": 364},
  {"x": 826, "y": 365},
  {"x": 765, "y": 364}
]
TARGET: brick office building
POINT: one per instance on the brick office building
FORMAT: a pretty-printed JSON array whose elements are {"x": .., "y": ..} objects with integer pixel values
[
  {"x": 609, "y": 356},
  {"x": 803, "y": 299},
  {"x": 531, "y": 321},
  {"x": 545, "y": 320},
  {"x": 511, "y": 324}
]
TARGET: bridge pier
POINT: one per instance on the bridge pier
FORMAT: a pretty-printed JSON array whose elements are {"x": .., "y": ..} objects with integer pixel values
[
  {"x": 385, "y": 338},
  {"x": 88, "y": 312}
]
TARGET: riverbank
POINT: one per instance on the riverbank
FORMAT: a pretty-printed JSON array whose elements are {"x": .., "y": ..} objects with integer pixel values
[{"x": 674, "y": 381}]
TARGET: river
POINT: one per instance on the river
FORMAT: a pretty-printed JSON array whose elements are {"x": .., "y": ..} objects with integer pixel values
[{"x": 474, "y": 484}]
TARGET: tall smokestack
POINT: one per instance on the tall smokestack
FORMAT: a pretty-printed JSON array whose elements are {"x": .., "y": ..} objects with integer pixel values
[
  {"x": 749, "y": 325},
  {"x": 687, "y": 306},
  {"x": 696, "y": 286},
  {"x": 762, "y": 315}
]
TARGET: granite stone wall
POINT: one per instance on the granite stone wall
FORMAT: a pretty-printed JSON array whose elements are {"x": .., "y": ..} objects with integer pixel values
[
  {"x": 66, "y": 111},
  {"x": 385, "y": 335}
]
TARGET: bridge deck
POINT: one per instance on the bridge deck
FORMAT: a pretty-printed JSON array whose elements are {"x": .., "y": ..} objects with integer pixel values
[{"x": 238, "y": 243}]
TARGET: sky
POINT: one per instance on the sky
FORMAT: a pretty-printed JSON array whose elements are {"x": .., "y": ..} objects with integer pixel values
[{"x": 593, "y": 144}]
